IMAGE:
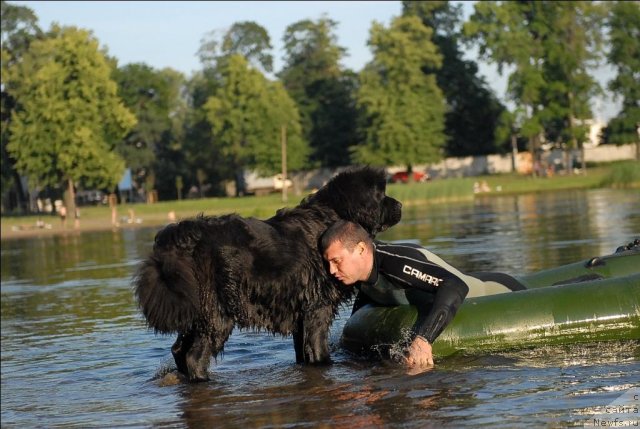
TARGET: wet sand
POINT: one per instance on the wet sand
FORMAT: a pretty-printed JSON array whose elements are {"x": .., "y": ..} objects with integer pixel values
[{"x": 53, "y": 226}]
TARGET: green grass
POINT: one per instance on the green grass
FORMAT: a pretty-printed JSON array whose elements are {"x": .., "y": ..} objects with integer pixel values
[
  {"x": 500, "y": 184},
  {"x": 623, "y": 175}
]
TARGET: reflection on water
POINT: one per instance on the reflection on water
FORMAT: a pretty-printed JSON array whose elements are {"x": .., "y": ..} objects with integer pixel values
[
  {"x": 526, "y": 232},
  {"x": 76, "y": 353}
]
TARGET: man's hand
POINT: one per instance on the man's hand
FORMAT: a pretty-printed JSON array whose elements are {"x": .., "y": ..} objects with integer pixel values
[{"x": 419, "y": 354}]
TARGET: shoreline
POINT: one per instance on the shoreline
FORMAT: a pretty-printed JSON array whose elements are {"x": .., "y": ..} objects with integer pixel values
[
  {"x": 54, "y": 228},
  {"x": 158, "y": 215},
  {"x": 159, "y": 218}
]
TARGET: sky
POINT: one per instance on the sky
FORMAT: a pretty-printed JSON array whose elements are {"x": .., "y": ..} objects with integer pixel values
[{"x": 168, "y": 33}]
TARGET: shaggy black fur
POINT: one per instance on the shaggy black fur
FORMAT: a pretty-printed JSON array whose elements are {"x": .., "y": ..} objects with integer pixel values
[{"x": 209, "y": 274}]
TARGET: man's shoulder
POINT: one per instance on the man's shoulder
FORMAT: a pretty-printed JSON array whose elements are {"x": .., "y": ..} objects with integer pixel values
[{"x": 398, "y": 248}]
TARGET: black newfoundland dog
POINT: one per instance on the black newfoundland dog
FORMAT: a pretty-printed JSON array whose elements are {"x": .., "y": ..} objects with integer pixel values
[{"x": 207, "y": 275}]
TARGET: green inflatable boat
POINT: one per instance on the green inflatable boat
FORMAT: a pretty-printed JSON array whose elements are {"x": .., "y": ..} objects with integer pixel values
[{"x": 585, "y": 302}]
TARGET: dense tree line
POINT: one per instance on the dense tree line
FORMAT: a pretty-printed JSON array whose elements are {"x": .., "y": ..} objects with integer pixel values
[{"x": 72, "y": 118}]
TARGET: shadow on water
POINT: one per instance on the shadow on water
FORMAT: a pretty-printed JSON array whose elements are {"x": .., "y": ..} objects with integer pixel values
[{"x": 76, "y": 351}]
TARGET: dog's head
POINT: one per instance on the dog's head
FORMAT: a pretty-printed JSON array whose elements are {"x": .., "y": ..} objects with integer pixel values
[{"x": 359, "y": 195}]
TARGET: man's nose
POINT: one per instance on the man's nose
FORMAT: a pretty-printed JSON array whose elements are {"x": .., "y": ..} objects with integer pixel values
[{"x": 332, "y": 268}]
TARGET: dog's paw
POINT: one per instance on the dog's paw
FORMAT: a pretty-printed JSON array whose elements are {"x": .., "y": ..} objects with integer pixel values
[{"x": 171, "y": 379}]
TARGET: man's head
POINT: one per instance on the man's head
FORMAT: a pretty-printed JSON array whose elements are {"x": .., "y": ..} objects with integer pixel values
[{"x": 348, "y": 249}]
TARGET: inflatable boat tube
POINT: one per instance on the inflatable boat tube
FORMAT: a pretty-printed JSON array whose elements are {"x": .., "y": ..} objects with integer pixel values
[
  {"x": 622, "y": 263},
  {"x": 584, "y": 312},
  {"x": 602, "y": 267}
]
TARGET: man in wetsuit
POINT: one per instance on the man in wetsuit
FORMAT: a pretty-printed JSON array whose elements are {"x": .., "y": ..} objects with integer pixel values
[{"x": 396, "y": 274}]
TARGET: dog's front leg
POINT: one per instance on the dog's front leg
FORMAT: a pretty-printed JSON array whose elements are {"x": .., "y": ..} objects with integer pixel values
[{"x": 315, "y": 331}]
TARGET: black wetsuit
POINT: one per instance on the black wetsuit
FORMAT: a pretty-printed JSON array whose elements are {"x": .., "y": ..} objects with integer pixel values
[{"x": 403, "y": 275}]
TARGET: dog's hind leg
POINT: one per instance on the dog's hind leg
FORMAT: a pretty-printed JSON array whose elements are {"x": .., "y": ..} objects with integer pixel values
[
  {"x": 298, "y": 340},
  {"x": 192, "y": 353},
  {"x": 220, "y": 336},
  {"x": 178, "y": 350}
]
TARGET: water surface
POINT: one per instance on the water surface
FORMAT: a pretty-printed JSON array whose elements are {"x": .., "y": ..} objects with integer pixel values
[{"x": 76, "y": 352}]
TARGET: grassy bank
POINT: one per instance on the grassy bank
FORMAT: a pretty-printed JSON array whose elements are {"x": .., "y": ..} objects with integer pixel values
[{"x": 625, "y": 174}]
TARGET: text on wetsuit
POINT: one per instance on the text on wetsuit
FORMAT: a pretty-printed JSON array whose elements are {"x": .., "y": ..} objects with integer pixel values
[{"x": 434, "y": 281}]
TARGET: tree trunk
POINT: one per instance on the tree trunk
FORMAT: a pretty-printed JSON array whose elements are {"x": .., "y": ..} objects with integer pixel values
[
  {"x": 21, "y": 198},
  {"x": 568, "y": 167},
  {"x": 514, "y": 152},
  {"x": 70, "y": 199},
  {"x": 283, "y": 142}
]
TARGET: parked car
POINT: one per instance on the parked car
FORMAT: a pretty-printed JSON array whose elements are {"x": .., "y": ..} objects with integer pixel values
[
  {"x": 403, "y": 177},
  {"x": 255, "y": 184}
]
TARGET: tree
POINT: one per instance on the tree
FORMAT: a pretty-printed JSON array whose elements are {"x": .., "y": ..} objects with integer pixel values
[
  {"x": 19, "y": 28},
  {"x": 246, "y": 114},
  {"x": 322, "y": 90},
  {"x": 508, "y": 34},
  {"x": 250, "y": 40},
  {"x": 624, "y": 55},
  {"x": 245, "y": 38},
  {"x": 550, "y": 46},
  {"x": 404, "y": 108},
  {"x": 69, "y": 116},
  {"x": 171, "y": 161},
  {"x": 473, "y": 111},
  {"x": 155, "y": 99},
  {"x": 199, "y": 152},
  {"x": 572, "y": 47}
]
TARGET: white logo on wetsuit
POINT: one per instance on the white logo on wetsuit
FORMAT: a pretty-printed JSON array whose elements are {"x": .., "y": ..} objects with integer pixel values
[{"x": 421, "y": 276}]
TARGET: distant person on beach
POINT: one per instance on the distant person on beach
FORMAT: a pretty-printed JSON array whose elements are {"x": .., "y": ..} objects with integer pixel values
[{"x": 62, "y": 211}]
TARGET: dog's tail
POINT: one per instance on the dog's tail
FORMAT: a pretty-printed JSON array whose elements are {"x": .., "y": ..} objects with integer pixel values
[{"x": 168, "y": 291}]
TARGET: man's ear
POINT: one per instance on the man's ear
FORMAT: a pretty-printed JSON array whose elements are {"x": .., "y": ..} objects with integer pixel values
[{"x": 361, "y": 247}]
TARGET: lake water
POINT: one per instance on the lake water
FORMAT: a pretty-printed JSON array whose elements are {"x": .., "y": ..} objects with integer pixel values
[{"x": 76, "y": 351}]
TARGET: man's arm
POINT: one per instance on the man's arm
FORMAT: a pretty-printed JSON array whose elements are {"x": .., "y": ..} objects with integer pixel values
[
  {"x": 448, "y": 299},
  {"x": 435, "y": 291},
  {"x": 361, "y": 300},
  {"x": 431, "y": 323}
]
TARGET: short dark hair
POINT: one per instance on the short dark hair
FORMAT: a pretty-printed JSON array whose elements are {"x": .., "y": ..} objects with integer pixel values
[{"x": 348, "y": 233}]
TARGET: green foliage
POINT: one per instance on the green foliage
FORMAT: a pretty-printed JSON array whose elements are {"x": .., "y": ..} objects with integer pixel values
[
  {"x": 213, "y": 161},
  {"x": 144, "y": 93},
  {"x": 19, "y": 28},
  {"x": 624, "y": 55},
  {"x": 322, "y": 90},
  {"x": 198, "y": 151},
  {"x": 245, "y": 38},
  {"x": 473, "y": 110},
  {"x": 404, "y": 107},
  {"x": 251, "y": 41},
  {"x": 508, "y": 34},
  {"x": 550, "y": 46},
  {"x": 69, "y": 115},
  {"x": 572, "y": 47},
  {"x": 246, "y": 114},
  {"x": 153, "y": 146}
]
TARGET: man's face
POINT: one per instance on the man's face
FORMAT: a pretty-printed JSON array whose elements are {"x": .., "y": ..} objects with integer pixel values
[{"x": 348, "y": 266}]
